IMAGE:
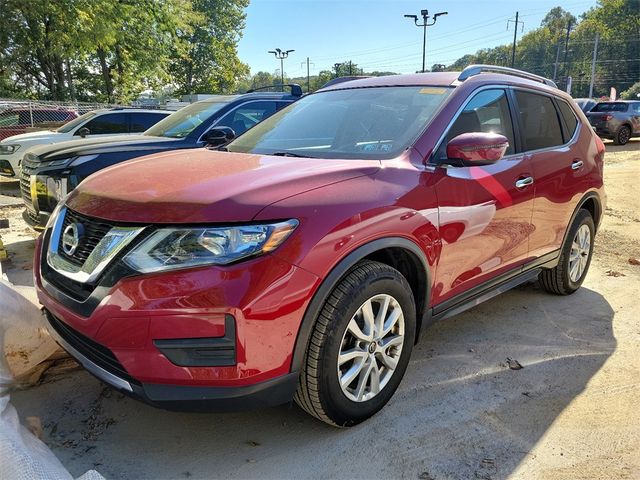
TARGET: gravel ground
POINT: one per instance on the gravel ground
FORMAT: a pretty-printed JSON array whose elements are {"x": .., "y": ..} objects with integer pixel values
[{"x": 460, "y": 412}]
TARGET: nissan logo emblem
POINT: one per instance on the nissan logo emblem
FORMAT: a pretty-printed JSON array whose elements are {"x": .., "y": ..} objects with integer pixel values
[{"x": 71, "y": 238}]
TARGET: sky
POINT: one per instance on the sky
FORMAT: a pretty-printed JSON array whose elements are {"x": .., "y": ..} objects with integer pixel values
[{"x": 375, "y": 35}]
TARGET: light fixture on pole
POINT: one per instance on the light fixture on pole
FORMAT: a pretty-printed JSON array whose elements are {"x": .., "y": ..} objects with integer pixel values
[
  {"x": 281, "y": 55},
  {"x": 425, "y": 23}
]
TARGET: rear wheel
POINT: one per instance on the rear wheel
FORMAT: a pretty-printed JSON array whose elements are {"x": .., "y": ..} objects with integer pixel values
[
  {"x": 622, "y": 136},
  {"x": 359, "y": 347},
  {"x": 575, "y": 258}
]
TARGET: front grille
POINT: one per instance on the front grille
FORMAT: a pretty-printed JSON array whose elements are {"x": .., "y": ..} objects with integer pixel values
[
  {"x": 93, "y": 231},
  {"x": 98, "y": 354},
  {"x": 26, "y": 168}
]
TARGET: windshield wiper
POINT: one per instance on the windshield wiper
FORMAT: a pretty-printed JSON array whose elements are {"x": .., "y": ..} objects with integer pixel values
[{"x": 288, "y": 154}]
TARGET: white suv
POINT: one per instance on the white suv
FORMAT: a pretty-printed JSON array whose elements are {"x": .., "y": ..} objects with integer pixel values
[{"x": 97, "y": 123}]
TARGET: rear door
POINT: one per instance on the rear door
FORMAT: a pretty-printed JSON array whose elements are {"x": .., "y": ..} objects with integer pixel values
[
  {"x": 550, "y": 130},
  {"x": 635, "y": 117},
  {"x": 485, "y": 218}
]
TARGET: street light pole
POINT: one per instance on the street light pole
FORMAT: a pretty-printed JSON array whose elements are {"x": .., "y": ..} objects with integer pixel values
[
  {"x": 281, "y": 55},
  {"x": 425, "y": 23}
]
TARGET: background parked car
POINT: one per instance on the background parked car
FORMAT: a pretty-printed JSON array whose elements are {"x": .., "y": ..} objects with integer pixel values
[
  {"x": 16, "y": 120},
  {"x": 618, "y": 121},
  {"x": 97, "y": 123},
  {"x": 585, "y": 104},
  {"x": 49, "y": 172}
]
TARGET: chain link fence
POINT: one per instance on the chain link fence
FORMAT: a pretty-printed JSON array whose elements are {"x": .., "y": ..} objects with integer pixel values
[{"x": 22, "y": 116}]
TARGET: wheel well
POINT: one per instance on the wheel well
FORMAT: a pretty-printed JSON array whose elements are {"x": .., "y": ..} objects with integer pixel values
[
  {"x": 411, "y": 267},
  {"x": 592, "y": 206}
]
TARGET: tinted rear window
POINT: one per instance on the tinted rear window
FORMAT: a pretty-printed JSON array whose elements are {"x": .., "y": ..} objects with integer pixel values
[
  {"x": 610, "y": 107},
  {"x": 141, "y": 121},
  {"x": 541, "y": 127}
]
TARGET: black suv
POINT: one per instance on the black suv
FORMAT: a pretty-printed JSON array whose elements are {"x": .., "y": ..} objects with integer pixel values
[{"x": 50, "y": 172}]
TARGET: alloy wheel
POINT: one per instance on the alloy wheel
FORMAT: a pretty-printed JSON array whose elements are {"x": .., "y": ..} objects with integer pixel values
[
  {"x": 580, "y": 249},
  {"x": 371, "y": 347}
]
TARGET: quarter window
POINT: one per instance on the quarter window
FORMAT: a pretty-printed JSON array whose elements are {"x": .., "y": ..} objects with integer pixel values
[
  {"x": 569, "y": 117},
  {"x": 540, "y": 124},
  {"x": 488, "y": 111}
]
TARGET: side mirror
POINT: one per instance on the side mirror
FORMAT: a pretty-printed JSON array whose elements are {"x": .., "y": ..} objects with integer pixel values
[
  {"x": 83, "y": 132},
  {"x": 219, "y": 136},
  {"x": 477, "y": 148}
]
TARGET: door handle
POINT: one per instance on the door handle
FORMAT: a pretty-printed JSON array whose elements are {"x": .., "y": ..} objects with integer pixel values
[
  {"x": 524, "y": 182},
  {"x": 577, "y": 165}
]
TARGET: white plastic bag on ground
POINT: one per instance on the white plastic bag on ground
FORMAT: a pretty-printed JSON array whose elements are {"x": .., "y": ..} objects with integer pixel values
[{"x": 22, "y": 455}]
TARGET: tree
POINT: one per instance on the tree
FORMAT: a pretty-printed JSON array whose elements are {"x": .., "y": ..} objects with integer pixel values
[
  {"x": 211, "y": 62},
  {"x": 632, "y": 93}
]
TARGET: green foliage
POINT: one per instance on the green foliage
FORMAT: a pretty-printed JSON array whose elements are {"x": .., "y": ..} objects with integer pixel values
[
  {"x": 109, "y": 50},
  {"x": 618, "y": 61},
  {"x": 632, "y": 93}
]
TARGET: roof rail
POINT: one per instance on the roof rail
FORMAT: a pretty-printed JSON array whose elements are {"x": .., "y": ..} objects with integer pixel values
[
  {"x": 296, "y": 90},
  {"x": 473, "y": 70}
]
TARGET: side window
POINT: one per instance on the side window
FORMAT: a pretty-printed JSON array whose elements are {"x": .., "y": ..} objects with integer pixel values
[
  {"x": 141, "y": 121},
  {"x": 246, "y": 116},
  {"x": 109, "y": 123},
  {"x": 540, "y": 124},
  {"x": 636, "y": 107},
  {"x": 569, "y": 117},
  {"x": 488, "y": 111}
]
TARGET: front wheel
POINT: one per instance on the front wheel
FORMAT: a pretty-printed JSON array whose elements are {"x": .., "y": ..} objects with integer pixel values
[
  {"x": 575, "y": 258},
  {"x": 359, "y": 347}
]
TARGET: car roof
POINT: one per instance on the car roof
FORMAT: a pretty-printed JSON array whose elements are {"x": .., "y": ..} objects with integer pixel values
[{"x": 441, "y": 79}]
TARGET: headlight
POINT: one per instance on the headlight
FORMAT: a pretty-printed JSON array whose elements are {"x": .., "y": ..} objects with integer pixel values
[
  {"x": 170, "y": 248},
  {"x": 8, "y": 149}
]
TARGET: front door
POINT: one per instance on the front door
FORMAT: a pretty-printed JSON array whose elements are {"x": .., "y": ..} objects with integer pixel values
[{"x": 484, "y": 211}]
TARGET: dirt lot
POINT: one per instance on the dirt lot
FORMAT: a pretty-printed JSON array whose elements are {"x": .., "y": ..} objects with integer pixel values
[{"x": 460, "y": 412}]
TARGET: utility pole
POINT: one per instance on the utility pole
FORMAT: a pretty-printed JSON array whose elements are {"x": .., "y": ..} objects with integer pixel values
[
  {"x": 593, "y": 65},
  {"x": 281, "y": 55},
  {"x": 350, "y": 68},
  {"x": 308, "y": 76},
  {"x": 555, "y": 65},
  {"x": 565, "y": 68},
  {"x": 515, "y": 36},
  {"x": 424, "y": 25}
]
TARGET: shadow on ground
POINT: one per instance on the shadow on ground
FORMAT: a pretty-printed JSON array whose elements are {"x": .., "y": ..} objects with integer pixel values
[{"x": 460, "y": 412}]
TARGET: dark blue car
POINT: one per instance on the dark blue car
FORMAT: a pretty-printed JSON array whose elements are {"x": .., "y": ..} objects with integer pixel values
[{"x": 49, "y": 172}]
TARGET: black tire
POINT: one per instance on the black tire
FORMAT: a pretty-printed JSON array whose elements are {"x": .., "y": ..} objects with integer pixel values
[
  {"x": 319, "y": 392},
  {"x": 557, "y": 280},
  {"x": 622, "y": 135}
]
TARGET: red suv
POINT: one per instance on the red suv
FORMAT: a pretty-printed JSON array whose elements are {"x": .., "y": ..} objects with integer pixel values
[{"x": 303, "y": 262}]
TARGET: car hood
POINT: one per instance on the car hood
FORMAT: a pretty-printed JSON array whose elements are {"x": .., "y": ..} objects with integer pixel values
[
  {"x": 41, "y": 135},
  {"x": 205, "y": 186},
  {"x": 93, "y": 146}
]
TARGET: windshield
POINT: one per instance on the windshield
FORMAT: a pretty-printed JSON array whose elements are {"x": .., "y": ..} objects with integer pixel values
[
  {"x": 67, "y": 127},
  {"x": 181, "y": 123},
  {"x": 610, "y": 107},
  {"x": 377, "y": 122}
]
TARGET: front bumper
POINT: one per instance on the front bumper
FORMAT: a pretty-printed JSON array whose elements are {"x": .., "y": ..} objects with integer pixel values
[
  {"x": 165, "y": 338},
  {"x": 179, "y": 397}
]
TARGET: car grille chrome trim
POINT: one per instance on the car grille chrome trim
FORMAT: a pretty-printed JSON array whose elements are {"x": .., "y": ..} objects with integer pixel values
[{"x": 100, "y": 257}]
